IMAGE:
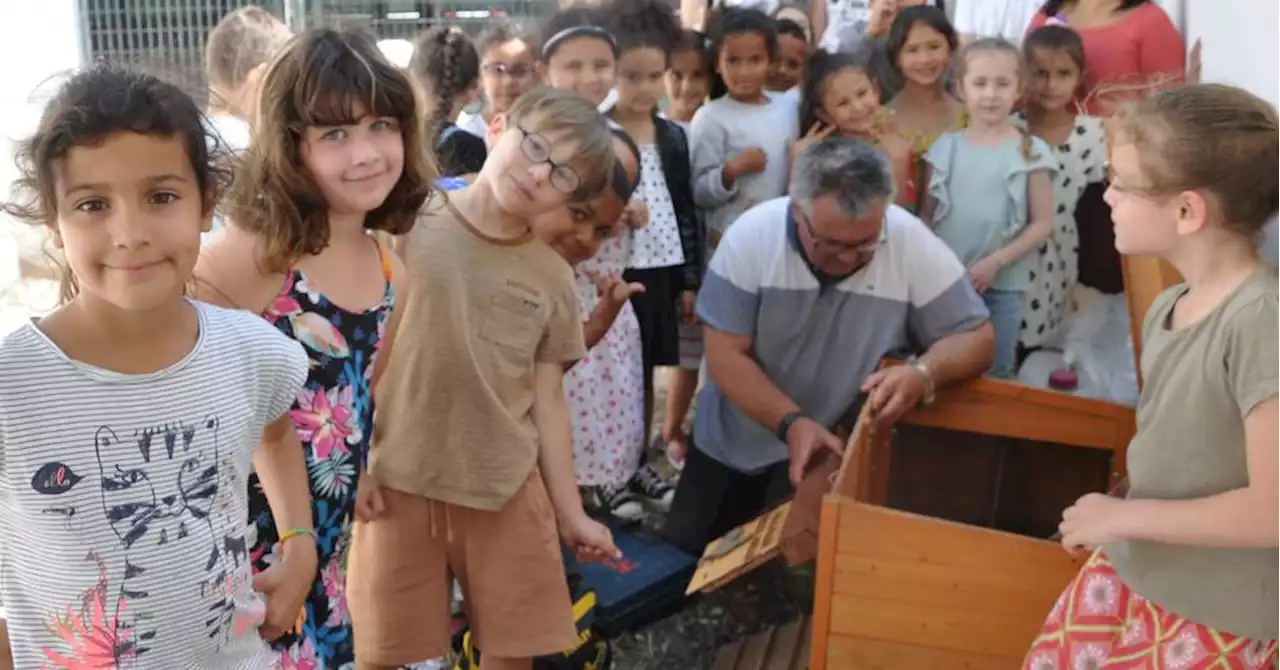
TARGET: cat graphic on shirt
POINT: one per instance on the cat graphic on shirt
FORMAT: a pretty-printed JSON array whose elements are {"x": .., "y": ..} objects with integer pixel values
[{"x": 160, "y": 495}]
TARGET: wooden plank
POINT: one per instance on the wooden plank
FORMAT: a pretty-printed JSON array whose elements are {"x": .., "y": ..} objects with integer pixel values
[
  {"x": 759, "y": 545},
  {"x": 727, "y": 657},
  {"x": 855, "y": 653},
  {"x": 786, "y": 642},
  {"x": 917, "y": 581},
  {"x": 824, "y": 582},
  {"x": 754, "y": 651},
  {"x": 995, "y": 407}
]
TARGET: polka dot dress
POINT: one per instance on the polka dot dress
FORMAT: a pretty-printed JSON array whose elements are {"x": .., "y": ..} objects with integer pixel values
[
  {"x": 1082, "y": 161},
  {"x": 656, "y": 245}
]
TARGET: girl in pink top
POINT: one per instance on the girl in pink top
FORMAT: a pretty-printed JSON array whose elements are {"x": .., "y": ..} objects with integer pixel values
[{"x": 1131, "y": 45}]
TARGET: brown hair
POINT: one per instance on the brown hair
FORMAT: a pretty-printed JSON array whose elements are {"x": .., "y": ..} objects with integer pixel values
[
  {"x": 445, "y": 64},
  {"x": 323, "y": 78},
  {"x": 960, "y": 65},
  {"x": 91, "y": 106},
  {"x": 242, "y": 41},
  {"x": 565, "y": 114},
  {"x": 1208, "y": 137}
]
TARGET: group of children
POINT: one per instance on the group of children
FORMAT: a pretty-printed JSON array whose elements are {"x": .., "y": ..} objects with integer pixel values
[{"x": 504, "y": 283}]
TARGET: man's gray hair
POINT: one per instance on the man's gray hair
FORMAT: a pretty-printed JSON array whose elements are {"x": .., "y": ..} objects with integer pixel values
[{"x": 855, "y": 172}]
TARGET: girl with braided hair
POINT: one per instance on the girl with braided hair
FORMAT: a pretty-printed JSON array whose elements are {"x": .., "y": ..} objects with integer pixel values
[{"x": 446, "y": 67}]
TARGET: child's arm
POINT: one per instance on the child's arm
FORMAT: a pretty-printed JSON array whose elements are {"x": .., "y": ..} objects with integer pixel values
[
  {"x": 817, "y": 21},
  {"x": 6, "y": 652},
  {"x": 282, "y": 473},
  {"x": 1039, "y": 219},
  {"x": 714, "y": 173},
  {"x": 555, "y": 462},
  {"x": 1039, "y": 228},
  {"x": 1244, "y": 517},
  {"x": 929, "y": 204},
  {"x": 369, "y": 504}
]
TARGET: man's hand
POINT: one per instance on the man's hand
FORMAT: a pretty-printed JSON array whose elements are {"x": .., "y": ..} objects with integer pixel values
[
  {"x": 893, "y": 391},
  {"x": 285, "y": 585},
  {"x": 805, "y": 438}
]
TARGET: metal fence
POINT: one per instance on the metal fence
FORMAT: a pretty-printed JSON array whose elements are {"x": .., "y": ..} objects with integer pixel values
[{"x": 167, "y": 37}]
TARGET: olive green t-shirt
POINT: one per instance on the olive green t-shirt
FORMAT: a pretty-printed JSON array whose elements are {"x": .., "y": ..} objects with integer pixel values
[{"x": 1199, "y": 384}]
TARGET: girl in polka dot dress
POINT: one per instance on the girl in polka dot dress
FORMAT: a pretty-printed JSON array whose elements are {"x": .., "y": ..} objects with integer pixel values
[
  {"x": 1055, "y": 59},
  {"x": 665, "y": 255}
]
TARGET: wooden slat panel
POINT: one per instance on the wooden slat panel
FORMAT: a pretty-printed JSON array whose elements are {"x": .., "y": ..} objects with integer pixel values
[
  {"x": 917, "y": 581},
  {"x": 762, "y": 544},
  {"x": 754, "y": 651},
  {"x": 824, "y": 582},
  {"x": 786, "y": 642},
  {"x": 996, "y": 407},
  {"x": 727, "y": 657},
  {"x": 852, "y": 653}
]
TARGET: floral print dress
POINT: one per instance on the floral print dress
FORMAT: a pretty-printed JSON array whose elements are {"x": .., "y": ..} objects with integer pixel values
[{"x": 333, "y": 416}]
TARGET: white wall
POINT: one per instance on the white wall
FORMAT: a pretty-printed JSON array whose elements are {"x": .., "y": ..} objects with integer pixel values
[
  {"x": 1240, "y": 44},
  {"x": 1239, "y": 47},
  {"x": 37, "y": 41}
]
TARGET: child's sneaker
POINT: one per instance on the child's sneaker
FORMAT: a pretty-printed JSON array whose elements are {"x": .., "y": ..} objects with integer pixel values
[
  {"x": 650, "y": 486},
  {"x": 620, "y": 502}
]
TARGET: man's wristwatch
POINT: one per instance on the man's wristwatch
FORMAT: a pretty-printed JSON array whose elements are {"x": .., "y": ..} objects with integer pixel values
[
  {"x": 785, "y": 424},
  {"x": 930, "y": 390}
]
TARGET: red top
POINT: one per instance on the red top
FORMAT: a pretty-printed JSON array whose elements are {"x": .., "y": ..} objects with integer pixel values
[{"x": 1142, "y": 47}]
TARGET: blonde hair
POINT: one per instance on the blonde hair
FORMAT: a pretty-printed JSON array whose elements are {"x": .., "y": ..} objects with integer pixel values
[
  {"x": 1209, "y": 137},
  {"x": 558, "y": 113},
  {"x": 998, "y": 45},
  {"x": 242, "y": 41}
]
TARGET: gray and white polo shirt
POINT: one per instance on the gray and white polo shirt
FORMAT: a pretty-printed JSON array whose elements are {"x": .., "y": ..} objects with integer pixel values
[{"x": 818, "y": 343}]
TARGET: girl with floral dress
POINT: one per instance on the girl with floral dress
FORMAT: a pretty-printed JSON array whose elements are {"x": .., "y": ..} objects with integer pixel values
[
  {"x": 1055, "y": 59},
  {"x": 318, "y": 177}
]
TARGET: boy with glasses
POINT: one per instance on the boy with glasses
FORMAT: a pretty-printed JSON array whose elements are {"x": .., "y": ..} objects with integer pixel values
[{"x": 472, "y": 455}]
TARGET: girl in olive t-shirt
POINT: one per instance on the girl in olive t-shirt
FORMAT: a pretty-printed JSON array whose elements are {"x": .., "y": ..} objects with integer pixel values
[{"x": 1184, "y": 572}]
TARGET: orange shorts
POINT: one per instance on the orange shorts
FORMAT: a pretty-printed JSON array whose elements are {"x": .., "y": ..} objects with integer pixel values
[{"x": 508, "y": 564}]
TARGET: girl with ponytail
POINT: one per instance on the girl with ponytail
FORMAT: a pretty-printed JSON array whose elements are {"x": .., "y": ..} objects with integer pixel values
[{"x": 446, "y": 67}]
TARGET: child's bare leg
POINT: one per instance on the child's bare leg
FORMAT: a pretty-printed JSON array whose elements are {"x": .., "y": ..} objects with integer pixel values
[
  {"x": 487, "y": 663},
  {"x": 683, "y": 384},
  {"x": 6, "y": 654}
]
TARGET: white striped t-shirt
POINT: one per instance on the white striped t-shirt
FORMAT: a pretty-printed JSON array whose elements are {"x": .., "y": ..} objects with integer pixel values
[{"x": 123, "y": 499}]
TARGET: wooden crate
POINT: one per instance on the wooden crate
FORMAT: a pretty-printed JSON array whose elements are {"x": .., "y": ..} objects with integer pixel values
[{"x": 897, "y": 590}]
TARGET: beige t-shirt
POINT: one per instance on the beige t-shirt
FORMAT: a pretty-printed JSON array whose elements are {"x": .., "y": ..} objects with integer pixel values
[
  {"x": 453, "y": 420},
  {"x": 1200, "y": 382}
]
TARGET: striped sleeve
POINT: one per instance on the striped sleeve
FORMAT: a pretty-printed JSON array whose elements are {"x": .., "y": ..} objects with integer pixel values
[
  {"x": 285, "y": 371},
  {"x": 730, "y": 297}
]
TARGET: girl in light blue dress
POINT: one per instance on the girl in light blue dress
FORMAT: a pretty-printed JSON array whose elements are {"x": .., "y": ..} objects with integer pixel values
[{"x": 990, "y": 190}]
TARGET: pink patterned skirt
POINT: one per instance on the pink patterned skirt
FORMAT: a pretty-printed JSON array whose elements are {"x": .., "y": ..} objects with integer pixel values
[{"x": 1099, "y": 623}]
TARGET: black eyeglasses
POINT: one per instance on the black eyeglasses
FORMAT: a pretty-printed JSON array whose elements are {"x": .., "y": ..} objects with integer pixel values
[
  {"x": 538, "y": 149},
  {"x": 836, "y": 247}
]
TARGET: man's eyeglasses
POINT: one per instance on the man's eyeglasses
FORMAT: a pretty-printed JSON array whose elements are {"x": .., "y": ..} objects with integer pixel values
[
  {"x": 504, "y": 70},
  {"x": 865, "y": 247},
  {"x": 538, "y": 150}
]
